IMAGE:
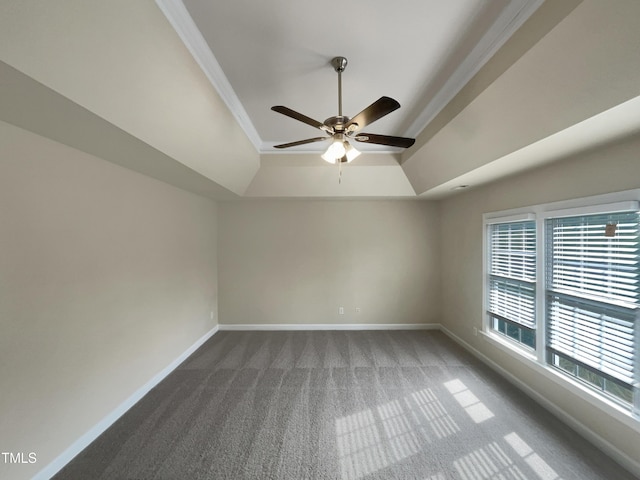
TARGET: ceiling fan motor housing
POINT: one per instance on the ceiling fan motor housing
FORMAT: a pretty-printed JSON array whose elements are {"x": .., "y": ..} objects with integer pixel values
[{"x": 338, "y": 123}]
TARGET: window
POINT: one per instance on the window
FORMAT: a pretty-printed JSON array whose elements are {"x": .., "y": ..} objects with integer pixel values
[
  {"x": 564, "y": 285},
  {"x": 592, "y": 299},
  {"x": 512, "y": 277}
]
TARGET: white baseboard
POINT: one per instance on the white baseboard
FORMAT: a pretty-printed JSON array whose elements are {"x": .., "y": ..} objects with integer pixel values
[
  {"x": 329, "y": 326},
  {"x": 82, "y": 442},
  {"x": 622, "y": 458}
]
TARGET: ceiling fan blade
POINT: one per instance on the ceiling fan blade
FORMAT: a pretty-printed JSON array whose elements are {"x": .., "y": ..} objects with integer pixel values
[
  {"x": 301, "y": 118},
  {"x": 403, "y": 142},
  {"x": 301, "y": 142},
  {"x": 378, "y": 109}
]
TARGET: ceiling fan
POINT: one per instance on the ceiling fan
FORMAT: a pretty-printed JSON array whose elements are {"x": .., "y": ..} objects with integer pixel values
[{"x": 341, "y": 129}]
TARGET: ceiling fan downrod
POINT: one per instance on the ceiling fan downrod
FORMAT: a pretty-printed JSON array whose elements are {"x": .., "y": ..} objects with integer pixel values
[{"x": 339, "y": 64}]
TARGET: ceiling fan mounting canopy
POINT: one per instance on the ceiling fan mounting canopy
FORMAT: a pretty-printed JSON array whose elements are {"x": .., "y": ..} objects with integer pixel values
[
  {"x": 339, "y": 64},
  {"x": 341, "y": 128}
]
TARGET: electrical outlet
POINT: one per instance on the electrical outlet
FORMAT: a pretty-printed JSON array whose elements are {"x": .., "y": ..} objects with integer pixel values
[
  {"x": 341, "y": 310},
  {"x": 357, "y": 309}
]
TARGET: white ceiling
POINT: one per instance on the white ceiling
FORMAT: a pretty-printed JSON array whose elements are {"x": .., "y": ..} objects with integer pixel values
[
  {"x": 278, "y": 52},
  {"x": 183, "y": 90}
]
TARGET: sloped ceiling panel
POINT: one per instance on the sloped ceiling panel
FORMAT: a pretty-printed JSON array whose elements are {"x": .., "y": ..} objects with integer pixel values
[
  {"x": 123, "y": 61},
  {"x": 31, "y": 106},
  {"x": 584, "y": 67},
  {"x": 374, "y": 176}
]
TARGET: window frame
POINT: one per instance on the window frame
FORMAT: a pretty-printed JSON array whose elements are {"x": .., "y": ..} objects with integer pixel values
[
  {"x": 504, "y": 220},
  {"x": 598, "y": 204}
]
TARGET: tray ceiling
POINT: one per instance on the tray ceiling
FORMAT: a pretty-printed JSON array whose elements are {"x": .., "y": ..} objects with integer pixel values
[{"x": 182, "y": 90}]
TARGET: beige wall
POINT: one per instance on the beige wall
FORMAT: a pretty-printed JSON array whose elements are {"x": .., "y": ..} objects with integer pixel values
[
  {"x": 614, "y": 168},
  {"x": 294, "y": 262},
  {"x": 106, "y": 277}
]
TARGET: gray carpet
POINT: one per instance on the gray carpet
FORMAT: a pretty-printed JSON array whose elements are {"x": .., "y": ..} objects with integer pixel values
[{"x": 337, "y": 405}]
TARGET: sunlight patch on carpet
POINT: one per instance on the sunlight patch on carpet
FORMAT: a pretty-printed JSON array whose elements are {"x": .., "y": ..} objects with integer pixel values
[
  {"x": 490, "y": 461},
  {"x": 537, "y": 464},
  {"x": 467, "y": 400}
]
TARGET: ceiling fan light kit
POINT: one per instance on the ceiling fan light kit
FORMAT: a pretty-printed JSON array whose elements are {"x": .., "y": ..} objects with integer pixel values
[
  {"x": 337, "y": 150},
  {"x": 341, "y": 129}
]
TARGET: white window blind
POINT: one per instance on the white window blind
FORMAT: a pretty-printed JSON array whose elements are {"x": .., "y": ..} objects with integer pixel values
[
  {"x": 512, "y": 272},
  {"x": 593, "y": 296}
]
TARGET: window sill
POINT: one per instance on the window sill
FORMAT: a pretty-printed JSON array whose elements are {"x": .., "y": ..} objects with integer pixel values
[
  {"x": 503, "y": 342},
  {"x": 530, "y": 360}
]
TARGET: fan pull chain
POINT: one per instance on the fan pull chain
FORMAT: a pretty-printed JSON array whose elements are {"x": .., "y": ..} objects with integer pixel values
[{"x": 339, "y": 171}]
